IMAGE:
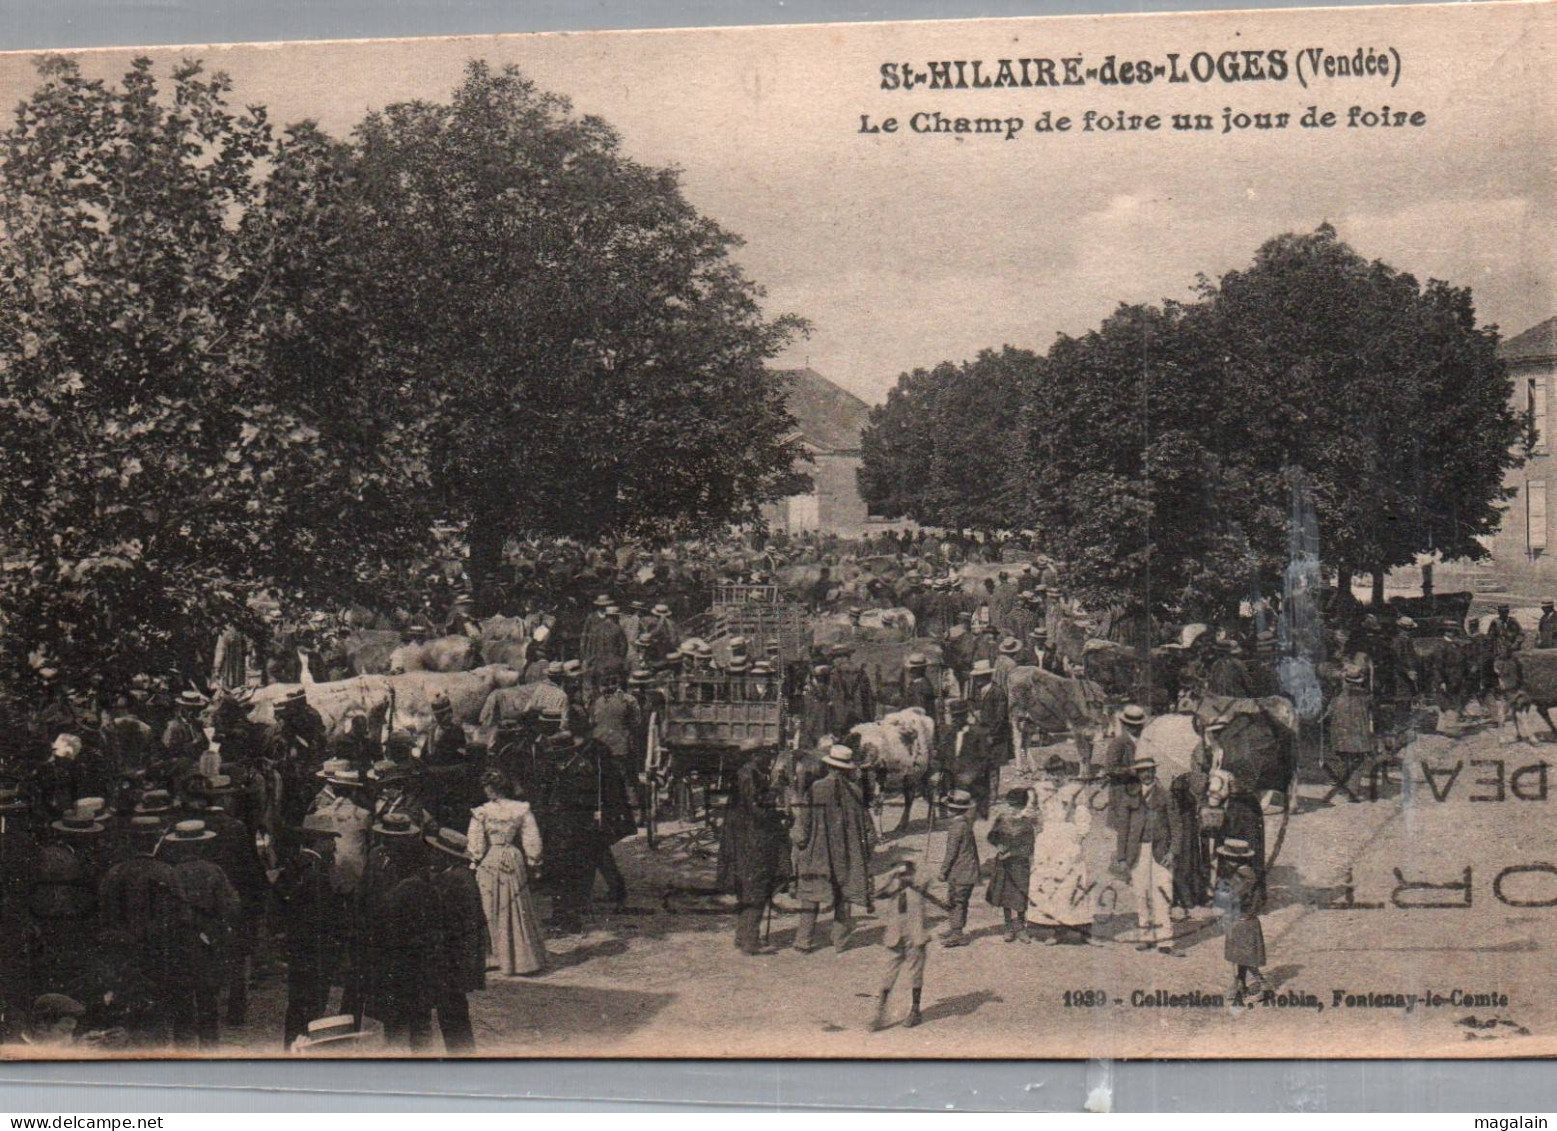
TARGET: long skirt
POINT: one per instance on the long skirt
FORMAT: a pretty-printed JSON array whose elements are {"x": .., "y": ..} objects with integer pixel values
[
  {"x": 513, "y": 920},
  {"x": 1059, "y": 887},
  {"x": 1245, "y": 941}
]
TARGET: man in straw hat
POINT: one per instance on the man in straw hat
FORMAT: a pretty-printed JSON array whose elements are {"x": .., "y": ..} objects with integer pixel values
[
  {"x": 918, "y": 691},
  {"x": 1119, "y": 756},
  {"x": 1146, "y": 853},
  {"x": 832, "y": 837},
  {"x": 400, "y": 932},
  {"x": 213, "y": 917}
]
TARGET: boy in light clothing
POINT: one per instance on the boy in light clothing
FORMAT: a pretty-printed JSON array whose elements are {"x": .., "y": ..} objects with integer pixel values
[{"x": 906, "y": 937}]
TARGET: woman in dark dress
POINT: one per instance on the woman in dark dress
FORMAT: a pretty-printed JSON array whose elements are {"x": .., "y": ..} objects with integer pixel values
[
  {"x": 1238, "y": 902},
  {"x": 1012, "y": 835}
]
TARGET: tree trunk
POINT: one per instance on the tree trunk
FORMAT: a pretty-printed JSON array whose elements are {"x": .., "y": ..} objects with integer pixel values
[
  {"x": 1427, "y": 580},
  {"x": 1343, "y": 591},
  {"x": 1378, "y": 588}
]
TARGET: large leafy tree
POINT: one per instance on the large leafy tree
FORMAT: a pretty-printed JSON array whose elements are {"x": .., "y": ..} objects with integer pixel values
[
  {"x": 579, "y": 350},
  {"x": 936, "y": 451},
  {"x": 161, "y": 464},
  {"x": 1383, "y": 390},
  {"x": 1158, "y": 452}
]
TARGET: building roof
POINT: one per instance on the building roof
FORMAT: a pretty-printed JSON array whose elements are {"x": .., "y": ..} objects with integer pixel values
[
  {"x": 828, "y": 417},
  {"x": 1537, "y": 343}
]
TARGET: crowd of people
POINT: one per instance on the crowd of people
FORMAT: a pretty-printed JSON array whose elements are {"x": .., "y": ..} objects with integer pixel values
[{"x": 159, "y": 848}]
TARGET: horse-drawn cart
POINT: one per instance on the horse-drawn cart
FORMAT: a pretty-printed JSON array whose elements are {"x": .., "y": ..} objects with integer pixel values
[{"x": 706, "y": 725}]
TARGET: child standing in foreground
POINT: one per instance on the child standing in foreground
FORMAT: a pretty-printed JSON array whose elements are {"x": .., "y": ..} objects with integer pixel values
[
  {"x": 1012, "y": 835},
  {"x": 1237, "y": 898},
  {"x": 960, "y": 866},
  {"x": 906, "y": 937}
]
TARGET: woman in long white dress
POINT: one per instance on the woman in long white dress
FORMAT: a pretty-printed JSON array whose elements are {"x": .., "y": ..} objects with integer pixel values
[
  {"x": 1061, "y": 900},
  {"x": 504, "y": 841}
]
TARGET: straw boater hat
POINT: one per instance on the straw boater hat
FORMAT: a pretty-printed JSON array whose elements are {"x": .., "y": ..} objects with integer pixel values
[
  {"x": 1407, "y": 622},
  {"x": 982, "y": 667},
  {"x": 449, "y": 841},
  {"x": 916, "y": 660},
  {"x": 840, "y": 757},
  {"x": 189, "y": 832},
  {"x": 613, "y": 610},
  {"x": 1143, "y": 764},
  {"x": 1010, "y": 646},
  {"x": 639, "y": 677},
  {"x": 345, "y": 777},
  {"x": 762, "y": 667},
  {"x": 395, "y": 824},
  {"x": 845, "y": 649},
  {"x": 1133, "y": 715},
  {"x": 1235, "y": 848},
  {"x": 602, "y": 601},
  {"x": 959, "y": 799},
  {"x": 76, "y": 822},
  {"x": 661, "y": 610},
  {"x": 191, "y": 698},
  {"x": 737, "y": 664},
  {"x": 332, "y": 766}
]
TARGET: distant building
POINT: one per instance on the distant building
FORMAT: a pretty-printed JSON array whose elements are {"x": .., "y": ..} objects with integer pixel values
[
  {"x": 1528, "y": 536},
  {"x": 829, "y": 422}
]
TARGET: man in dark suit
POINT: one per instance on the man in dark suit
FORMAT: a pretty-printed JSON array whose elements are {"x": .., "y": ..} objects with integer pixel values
[
  {"x": 832, "y": 838},
  {"x": 960, "y": 865}
]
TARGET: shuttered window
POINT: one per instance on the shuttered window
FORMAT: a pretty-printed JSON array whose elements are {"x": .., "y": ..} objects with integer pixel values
[
  {"x": 1536, "y": 403},
  {"x": 1535, "y": 513}
]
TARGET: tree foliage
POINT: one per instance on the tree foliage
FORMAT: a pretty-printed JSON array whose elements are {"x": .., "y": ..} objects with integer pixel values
[
  {"x": 580, "y": 351},
  {"x": 159, "y": 469},
  {"x": 1156, "y": 454},
  {"x": 937, "y": 450}
]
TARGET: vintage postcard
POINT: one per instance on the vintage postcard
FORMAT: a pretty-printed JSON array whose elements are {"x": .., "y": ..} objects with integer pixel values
[{"x": 1007, "y": 538}]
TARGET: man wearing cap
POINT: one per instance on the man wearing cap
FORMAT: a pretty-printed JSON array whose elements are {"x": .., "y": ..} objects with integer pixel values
[
  {"x": 1146, "y": 850},
  {"x": 1118, "y": 758},
  {"x": 832, "y": 837},
  {"x": 960, "y": 865},
  {"x": 1546, "y": 630}
]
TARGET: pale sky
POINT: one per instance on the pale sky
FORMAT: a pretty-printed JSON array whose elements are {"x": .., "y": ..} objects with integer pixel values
[{"x": 908, "y": 250}]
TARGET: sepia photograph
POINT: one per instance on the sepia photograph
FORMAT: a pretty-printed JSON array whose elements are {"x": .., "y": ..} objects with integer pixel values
[{"x": 1004, "y": 538}]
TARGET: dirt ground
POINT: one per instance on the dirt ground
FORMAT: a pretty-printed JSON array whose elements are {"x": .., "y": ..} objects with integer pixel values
[{"x": 1346, "y": 918}]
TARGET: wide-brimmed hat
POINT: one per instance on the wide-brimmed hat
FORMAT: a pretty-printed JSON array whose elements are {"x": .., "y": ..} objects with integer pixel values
[
  {"x": 76, "y": 822},
  {"x": 189, "y": 832},
  {"x": 451, "y": 841},
  {"x": 982, "y": 667},
  {"x": 191, "y": 698},
  {"x": 613, "y": 610},
  {"x": 344, "y": 777},
  {"x": 840, "y": 650},
  {"x": 1039, "y": 633},
  {"x": 155, "y": 801},
  {"x": 1236, "y": 848},
  {"x": 916, "y": 660},
  {"x": 738, "y": 664},
  {"x": 661, "y": 610},
  {"x": 1010, "y": 646},
  {"x": 959, "y": 799},
  {"x": 602, "y": 601},
  {"x": 1407, "y": 622},
  {"x": 147, "y": 824},
  {"x": 1133, "y": 715},
  {"x": 840, "y": 757},
  {"x": 332, "y": 766},
  {"x": 395, "y": 824},
  {"x": 639, "y": 676},
  {"x": 1549, "y": 604},
  {"x": 762, "y": 667},
  {"x": 1143, "y": 764}
]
